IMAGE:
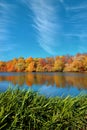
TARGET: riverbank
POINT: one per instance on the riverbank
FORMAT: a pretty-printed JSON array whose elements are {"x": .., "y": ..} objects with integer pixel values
[{"x": 26, "y": 110}]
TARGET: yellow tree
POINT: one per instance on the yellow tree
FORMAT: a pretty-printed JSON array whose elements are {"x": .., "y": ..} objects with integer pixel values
[
  {"x": 20, "y": 65},
  {"x": 30, "y": 67},
  {"x": 58, "y": 65}
]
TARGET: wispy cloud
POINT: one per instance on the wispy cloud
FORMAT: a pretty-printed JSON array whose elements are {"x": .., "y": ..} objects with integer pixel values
[
  {"x": 83, "y": 35},
  {"x": 6, "y": 47},
  {"x": 45, "y": 22},
  {"x": 57, "y": 24},
  {"x": 76, "y": 8},
  {"x": 5, "y": 21},
  {"x": 79, "y": 7},
  {"x": 77, "y": 19}
]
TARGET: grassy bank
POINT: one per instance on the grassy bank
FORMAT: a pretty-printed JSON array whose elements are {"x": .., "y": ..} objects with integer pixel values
[{"x": 21, "y": 110}]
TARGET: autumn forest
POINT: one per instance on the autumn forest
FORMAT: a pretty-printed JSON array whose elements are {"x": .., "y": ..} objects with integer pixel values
[{"x": 77, "y": 63}]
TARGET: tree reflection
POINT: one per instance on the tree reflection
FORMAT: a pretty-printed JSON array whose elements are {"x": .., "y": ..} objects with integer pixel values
[{"x": 31, "y": 79}]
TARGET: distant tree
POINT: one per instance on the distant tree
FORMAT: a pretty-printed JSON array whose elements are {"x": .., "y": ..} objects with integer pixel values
[
  {"x": 30, "y": 67},
  {"x": 3, "y": 66},
  {"x": 10, "y": 66},
  {"x": 29, "y": 60},
  {"x": 20, "y": 65},
  {"x": 58, "y": 65}
]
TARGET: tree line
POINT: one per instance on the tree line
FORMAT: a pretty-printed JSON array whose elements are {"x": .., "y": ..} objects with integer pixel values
[{"x": 77, "y": 63}]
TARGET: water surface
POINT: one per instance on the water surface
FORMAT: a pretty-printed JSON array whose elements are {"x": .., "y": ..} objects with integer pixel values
[{"x": 48, "y": 84}]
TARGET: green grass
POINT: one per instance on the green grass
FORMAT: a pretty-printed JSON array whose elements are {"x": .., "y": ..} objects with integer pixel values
[{"x": 26, "y": 110}]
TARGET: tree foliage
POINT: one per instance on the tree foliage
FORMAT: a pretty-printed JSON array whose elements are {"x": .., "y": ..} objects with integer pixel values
[{"x": 77, "y": 63}]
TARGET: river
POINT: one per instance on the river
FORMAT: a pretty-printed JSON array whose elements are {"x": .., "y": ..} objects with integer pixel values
[{"x": 48, "y": 84}]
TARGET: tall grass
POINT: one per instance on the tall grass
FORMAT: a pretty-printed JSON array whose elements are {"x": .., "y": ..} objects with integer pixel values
[{"x": 26, "y": 110}]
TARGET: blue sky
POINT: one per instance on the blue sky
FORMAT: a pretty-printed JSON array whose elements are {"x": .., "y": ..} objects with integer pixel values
[{"x": 42, "y": 28}]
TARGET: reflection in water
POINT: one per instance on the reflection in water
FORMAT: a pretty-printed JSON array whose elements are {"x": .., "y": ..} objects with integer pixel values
[
  {"x": 46, "y": 79},
  {"x": 58, "y": 80}
]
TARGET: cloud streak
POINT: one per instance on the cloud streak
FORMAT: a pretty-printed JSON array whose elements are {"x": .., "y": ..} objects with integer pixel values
[
  {"x": 78, "y": 7},
  {"x": 45, "y": 22},
  {"x": 5, "y": 21},
  {"x": 76, "y": 35},
  {"x": 59, "y": 22}
]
